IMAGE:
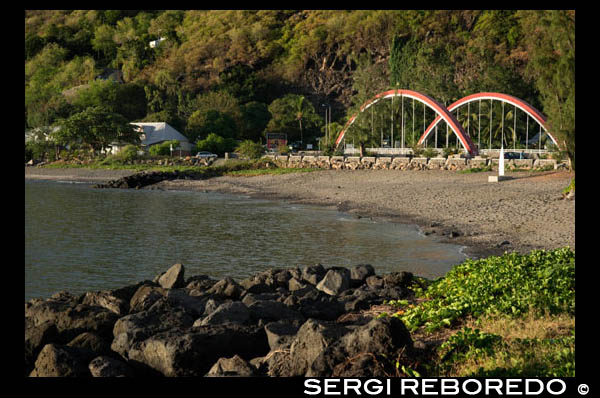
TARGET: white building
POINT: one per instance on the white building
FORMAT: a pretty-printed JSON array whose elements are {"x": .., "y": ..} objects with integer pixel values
[
  {"x": 155, "y": 43},
  {"x": 155, "y": 133}
]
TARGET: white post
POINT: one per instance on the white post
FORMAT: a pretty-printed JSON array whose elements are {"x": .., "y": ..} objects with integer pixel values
[
  {"x": 402, "y": 135},
  {"x": 501, "y": 162}
]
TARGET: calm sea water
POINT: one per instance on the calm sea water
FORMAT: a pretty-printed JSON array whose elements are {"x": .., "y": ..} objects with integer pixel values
[{"x": 78, "y": 238}]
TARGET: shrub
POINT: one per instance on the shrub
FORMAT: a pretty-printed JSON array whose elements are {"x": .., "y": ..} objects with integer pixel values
[
  {"x": 430, "y": 153},
  {"x": 216, "y": 144},
  {"x": 283, "y": 149},
  {"x": 417, "y": 150},
  {"x": 39, "y": 151},
  {"x": 164, "y": 148},
  {"x": 128, "y": 153},
  {"x": 250, "y": 149},
  {"x": 448, "y": 152}
]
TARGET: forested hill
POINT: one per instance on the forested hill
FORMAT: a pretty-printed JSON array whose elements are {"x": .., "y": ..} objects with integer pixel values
[{"x": 241, "y": 73}]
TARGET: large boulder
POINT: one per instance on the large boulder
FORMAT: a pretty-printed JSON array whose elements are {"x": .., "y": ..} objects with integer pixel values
[
  {"x": 362, "y": 298},
  {"x": 36, "y": 337},
  {"x": 374, "y": 281},
  {"x": 335, "y": 281},
  {"x": 116, "y": 300},
  {"x": 373, "y": 345},
  {"x": 359, "y": 273},
  {"x": 173, "y": 278},
  {"x": 252, "y": 298},
  {"x": 62, "y": 361},
  {"x": 269, "y": 310},
  {"x": 70, "y": 318},
  {"x": 296, "y": 284},
  {"x": 181, "y": 297},
  {"x": 91, "y": 342},
  {"x": 40, "y": 311},
  {"x": 226, "y": 288},
  {"x": 193, "y": 351},
  {"x": 199, "y": 284},
  {"x": 312, "y": 339},
  {"x": 235, "y": 366},
  {"x": 230, "y": 312},
  {"x": 267, "y": 281},
  {"x": 161, "y": 316},
  {"x": 313, "y": 273},
  {"x": 106, "y": 300},
  {"x": 313, "y": 303},
  {"x": 398, "y": 279},
  {"x": 280, "y": 334},
  {"x": 85, "y": 318},
  {"x": 145, "y": 296}
]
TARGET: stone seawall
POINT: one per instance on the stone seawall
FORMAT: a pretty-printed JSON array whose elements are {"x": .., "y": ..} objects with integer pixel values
[{"x": 409, "y": 163}]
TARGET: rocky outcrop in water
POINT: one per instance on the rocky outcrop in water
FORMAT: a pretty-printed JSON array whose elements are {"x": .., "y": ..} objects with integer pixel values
[
  {"x": 309, "y": 321},
  {"x": 143, "y": 179}
]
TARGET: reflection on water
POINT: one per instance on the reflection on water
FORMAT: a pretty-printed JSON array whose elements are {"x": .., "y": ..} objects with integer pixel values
[{"x": 78, "y": 238}]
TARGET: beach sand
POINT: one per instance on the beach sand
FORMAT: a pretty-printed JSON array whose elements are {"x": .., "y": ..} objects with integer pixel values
[{"x": 523, "y": 213}]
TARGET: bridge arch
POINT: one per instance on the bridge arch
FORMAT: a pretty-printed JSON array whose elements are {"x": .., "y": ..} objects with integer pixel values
[
  {"x": 519, "y": 103},
  {"x": 440, "y": 109}
]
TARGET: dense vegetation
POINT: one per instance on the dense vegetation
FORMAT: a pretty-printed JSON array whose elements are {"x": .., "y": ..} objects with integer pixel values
[
  {"x": 512, "y": 314},
  {"x": 239, "y": 74}
]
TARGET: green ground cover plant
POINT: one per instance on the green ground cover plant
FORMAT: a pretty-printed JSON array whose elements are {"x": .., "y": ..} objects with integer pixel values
[
  {"x": 511, "y": 284},
  {"x": 500, "y": 316}
]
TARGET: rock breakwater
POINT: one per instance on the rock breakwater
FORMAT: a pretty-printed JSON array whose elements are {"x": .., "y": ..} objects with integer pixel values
[
  {"x": 140, "y": 180},
  {"x": 311, "y": 321}
]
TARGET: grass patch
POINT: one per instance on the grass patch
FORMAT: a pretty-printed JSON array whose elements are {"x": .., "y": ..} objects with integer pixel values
[
  {"x": 570, "y": 187},
  {"x": 534, "y": 345},
  {"x": 233, "y": 167},
  {"x": 475, "y": 170}
]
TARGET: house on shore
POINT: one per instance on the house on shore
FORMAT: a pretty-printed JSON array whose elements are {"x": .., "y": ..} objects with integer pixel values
[{"x": 156, "y": 133}]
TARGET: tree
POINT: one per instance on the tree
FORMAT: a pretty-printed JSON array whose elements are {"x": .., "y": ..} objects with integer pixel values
[
  {"x": 552, "y": 67},
  {"x": 255, "y": 117},
  {"x": 216, "y": 144},
  {"x": 250, "y": 149},
  {"x": 165, "y": 25},
  {"x": 242, "y": 82},
  {"x": 128, "y": 100},
  {"x": 103, "y": 41},
  {"x": 360, "y": 133},
  {"x": 96, "y": 127},
  {"x": 202, "y": 123},
  {"x": 294, "y": 115}
]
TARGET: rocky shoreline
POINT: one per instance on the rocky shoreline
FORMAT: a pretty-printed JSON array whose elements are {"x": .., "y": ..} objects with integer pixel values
[{"x": 311, "y": 321}]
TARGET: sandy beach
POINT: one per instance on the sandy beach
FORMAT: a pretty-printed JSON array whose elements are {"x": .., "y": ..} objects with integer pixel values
[{"x": 523, "y": 213}]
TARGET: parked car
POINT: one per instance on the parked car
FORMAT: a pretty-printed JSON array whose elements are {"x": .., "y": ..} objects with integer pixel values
[
  {"x": 515, "y": 155},
  {"x": 206, "y": 155}
]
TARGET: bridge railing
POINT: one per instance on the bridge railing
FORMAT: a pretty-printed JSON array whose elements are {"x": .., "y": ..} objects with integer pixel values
[{"x": 408, "y": 151}]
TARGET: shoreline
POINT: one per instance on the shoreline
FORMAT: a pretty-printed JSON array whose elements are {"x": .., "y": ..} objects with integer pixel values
[{"x": 524, "y": 213}]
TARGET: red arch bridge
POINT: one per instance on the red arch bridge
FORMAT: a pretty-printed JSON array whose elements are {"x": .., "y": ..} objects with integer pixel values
[{"x": 446, "y": 114}]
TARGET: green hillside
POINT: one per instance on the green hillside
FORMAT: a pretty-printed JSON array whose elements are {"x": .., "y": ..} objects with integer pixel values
[{"x": 240, "y": 73}]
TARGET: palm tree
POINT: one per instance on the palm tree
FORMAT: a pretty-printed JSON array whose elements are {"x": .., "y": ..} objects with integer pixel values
[{"x": 300, "y": 109}]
